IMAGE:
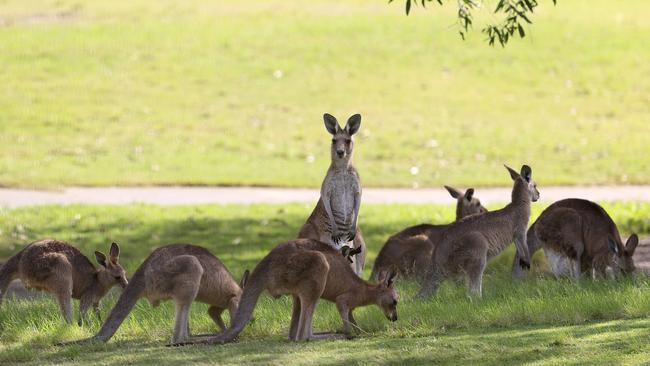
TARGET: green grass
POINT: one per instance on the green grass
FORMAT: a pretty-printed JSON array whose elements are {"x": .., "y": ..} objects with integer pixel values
[
  {"x": 540, "y": 320},
  {"x": 150, "y": 92}
]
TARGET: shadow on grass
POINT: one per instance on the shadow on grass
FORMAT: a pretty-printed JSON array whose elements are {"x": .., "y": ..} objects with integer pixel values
[{"x": 598, "y": 342}]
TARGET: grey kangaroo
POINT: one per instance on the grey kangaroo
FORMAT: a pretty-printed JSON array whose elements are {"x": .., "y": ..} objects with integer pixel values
[
  {"x": 471, "y": 242},
  {"x": 334, "y": 220},
  {"x": 309, "y": 270},
  {"x": 579, "y": 236},
  {"x": 183, "y": 273},
  {"x": 409, "y": 251},
  {"x": 62, "y": 270}
]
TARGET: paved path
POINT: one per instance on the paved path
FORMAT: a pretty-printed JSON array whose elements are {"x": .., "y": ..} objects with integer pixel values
[{"x": 246, "y": 195}]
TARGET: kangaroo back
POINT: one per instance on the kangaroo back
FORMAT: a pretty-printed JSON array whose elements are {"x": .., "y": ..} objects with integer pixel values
[
  {"x": 8, "y": 273},
  {"x": 255, "y": 285},
  {"x": 124, "y": 305}
]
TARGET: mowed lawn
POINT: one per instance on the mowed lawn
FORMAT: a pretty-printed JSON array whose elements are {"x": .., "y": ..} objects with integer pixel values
[
  {"x": 540, "y": 320},
  {"x": 144, "y": 92}
]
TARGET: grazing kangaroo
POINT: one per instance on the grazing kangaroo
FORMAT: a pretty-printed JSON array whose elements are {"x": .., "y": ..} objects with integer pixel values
[
  {"x": 183, "y": 273},
  {"x": 581, "y": 234},
  {"x": 409, "y": 251},
  {"x": 58, "y": 268},
  {"x": 334, "y": 220},
  {"x": 470, "y": 242},
  {"x": 309, "y": 270}
]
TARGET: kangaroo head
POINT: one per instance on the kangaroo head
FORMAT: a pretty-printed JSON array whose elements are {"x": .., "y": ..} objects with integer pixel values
[
  {"x": 622, "y": 260},
  {"x": 525, "y": 186},
  {"x": 342, "y": 144},
  {"x": 467, "y": 204},
  {"x": 110, "y": 272},
  {"x": 387, "y": 297}
]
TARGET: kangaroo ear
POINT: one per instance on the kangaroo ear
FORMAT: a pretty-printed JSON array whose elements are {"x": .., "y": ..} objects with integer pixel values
[
  {"x": 114, "y": 252},
  {"x": 101, "y": 258},
  {"x": 631, "y": 244},
  {"x": 244, "y": 278},
  {"x": 513, "y": 174},
  {"x": 453, "y": 191},
  {"x": 353, "y": 124},
  {"x": 526, "y": 173},
  {"x": 331, "y": 124},
  {"x": 391, "y": 279},
  {"x": 613, "y": 247},
  {"x": 469, "y": 193}
]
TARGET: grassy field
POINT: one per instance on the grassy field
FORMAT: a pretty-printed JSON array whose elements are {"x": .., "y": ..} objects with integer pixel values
[
  {"x": 148, "y": 92},
  {"x": 539, "y": 320}
]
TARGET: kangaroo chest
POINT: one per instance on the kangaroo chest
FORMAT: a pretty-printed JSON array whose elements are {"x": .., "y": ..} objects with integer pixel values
[{"x": 343, "y": 188}]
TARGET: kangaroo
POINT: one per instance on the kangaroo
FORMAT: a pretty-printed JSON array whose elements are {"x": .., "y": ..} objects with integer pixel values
[
  {"x": 62, "y": 270},
  {"x": 309, "y": 270},
  {"x": 470, "y": 242},
  {"x": 581, "y": 234},
  {"x": 334, "y": 220},
  {"x": 409, "y": 251},
  {"x": 183, "y": 273}
]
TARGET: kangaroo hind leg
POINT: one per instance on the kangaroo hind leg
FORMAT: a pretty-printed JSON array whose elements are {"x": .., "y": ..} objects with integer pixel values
[
  {"x": 60, "y": 284},
  {"x": 184, "y": 272}
]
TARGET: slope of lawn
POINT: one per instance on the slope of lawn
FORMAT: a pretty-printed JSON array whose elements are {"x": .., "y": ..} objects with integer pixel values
[
  {"x": 539, "y": 320},
  {"x": 144, "y": 92}
]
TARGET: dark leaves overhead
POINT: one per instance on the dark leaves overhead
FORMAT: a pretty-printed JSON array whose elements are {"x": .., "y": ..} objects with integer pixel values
[{"x": 514, "y": 13}]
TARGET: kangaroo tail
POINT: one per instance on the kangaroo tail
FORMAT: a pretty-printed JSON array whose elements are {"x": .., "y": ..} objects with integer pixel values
[
  {"x": 256, "y": 283},
  {"x": 8, "y": 273},
  {"x": 124, "y": 305}
]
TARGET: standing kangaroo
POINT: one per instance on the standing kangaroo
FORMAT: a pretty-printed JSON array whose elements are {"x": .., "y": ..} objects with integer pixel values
[
  {"x": 409, "y": 251},
  {"x": 334, "y": 220},
  {"x": 581, "y": 234},
  {"x": 309, "y": 270},
  {"x": 183, "y": 273},
  {"x": 58, "y": 268},
  {"x": 469, "y": 243}
]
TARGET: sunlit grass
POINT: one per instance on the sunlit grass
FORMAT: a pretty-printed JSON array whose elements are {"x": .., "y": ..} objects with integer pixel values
[{"x": 150, "y": 92}]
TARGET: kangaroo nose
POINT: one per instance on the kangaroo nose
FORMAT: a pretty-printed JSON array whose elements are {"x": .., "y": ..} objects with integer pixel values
[
  {"x": 340, "y": 153},
  {"x": 394, "y": 318}
]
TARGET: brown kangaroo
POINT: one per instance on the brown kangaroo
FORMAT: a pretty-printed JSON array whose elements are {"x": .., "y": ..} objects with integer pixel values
[
  {"x": 334, "y": 220},
  {"x": 470, "y": 242},
  {"x": 183, "y": 273},
  {"x": 409, "y": 251},
  {"x": 58, "y": 268},
  {"x": 309, "y": 270},
  {"x": 578, "y": 235}
]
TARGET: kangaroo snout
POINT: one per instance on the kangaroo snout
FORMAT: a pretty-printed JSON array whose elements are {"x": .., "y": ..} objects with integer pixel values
[
  {"x": 393, "y": 318},
  {"x": 340, "y": 153}
]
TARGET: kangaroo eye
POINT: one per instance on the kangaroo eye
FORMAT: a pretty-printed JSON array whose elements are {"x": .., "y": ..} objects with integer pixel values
[
  {"x": 333, "y": 141},
  {"x": 347, "y": 141},
  {"x": 117, "y": 277}
]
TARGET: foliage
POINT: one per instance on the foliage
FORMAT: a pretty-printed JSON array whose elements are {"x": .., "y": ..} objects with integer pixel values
[{"x": 513, "y": 12}]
